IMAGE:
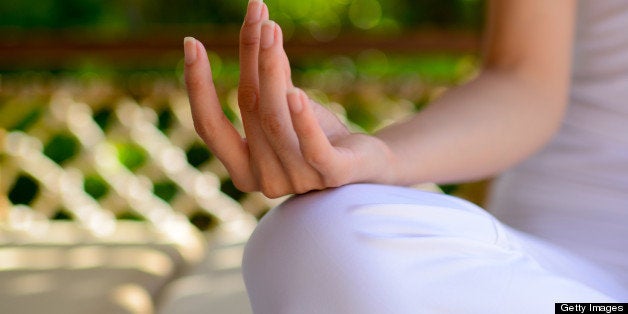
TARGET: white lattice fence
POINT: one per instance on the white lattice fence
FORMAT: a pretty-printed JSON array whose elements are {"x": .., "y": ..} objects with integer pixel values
[
  {"x": 108, "y": 198},
  {"x": 130, "y": 152}
]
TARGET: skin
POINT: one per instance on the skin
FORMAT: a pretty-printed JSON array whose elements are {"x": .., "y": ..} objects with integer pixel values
[{"x": 294, "y": 145}]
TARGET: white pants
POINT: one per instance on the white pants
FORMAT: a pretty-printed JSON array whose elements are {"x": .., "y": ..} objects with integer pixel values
[{"x": 367, "y": 248}]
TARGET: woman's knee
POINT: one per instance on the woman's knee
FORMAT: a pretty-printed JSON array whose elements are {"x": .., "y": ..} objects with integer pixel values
[
  {"x": 340, "y": 222},
  {"x": 328, "y": 241},
  {"x": 292, "y": 252},
  {"x": 380, "y": 249},
  {"x": 336, "y": 218},
  {"x": 295, "y": 232},
  {"x": 362, "y": 210}
]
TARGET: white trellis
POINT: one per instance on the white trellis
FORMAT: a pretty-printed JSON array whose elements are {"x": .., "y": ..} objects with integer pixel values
[{"x": 137, "y": 258}]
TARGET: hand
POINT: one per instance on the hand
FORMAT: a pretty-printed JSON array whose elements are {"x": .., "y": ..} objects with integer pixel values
[{"x": 293, "y": 144}]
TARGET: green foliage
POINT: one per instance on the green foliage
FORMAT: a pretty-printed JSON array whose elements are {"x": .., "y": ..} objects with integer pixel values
[
  {"x": 197, "y": 154},
  {"x": 449, "y": 188},
  {"x": 61, "y": 147},
  {"x": 165, "y": 120},
  {"x": 28, "y": 119},
  {"x": 203, "y": 220},
  {"x": 53, "y": 13},
  {"x": 24, "y": 190},
  {"x": 166, "y": 190},
  {"x": 95, "y": 186},
  {"x": 62, "y": 214},
  {"x": 321, "y": 17},
  {"x": 229, "y": 188},
  {"x": 130, "y": 215},
  {"x": 131, "y": 155},
  {"x": 103, "y": 117}
]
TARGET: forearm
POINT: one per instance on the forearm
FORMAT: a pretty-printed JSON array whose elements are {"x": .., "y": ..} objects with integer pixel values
[{"x": 475, "y": 130}]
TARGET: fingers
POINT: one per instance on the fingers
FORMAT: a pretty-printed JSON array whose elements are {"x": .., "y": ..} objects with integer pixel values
[
  {"x": 266, "y": 166},
  {"x": 273, "y": 109},
  {"x": 269, "y": 159},
  {"x": 209, "y": 120},
  {"x": 314, "y": 145},
  {"x": 248, "y": 89}
]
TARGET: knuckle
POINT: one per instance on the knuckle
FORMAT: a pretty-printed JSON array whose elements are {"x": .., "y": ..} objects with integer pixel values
[
  {"x": 272, "y": 125},
  {"x": 272, "y": 191},
  {"x": 333, "y": 181},
  {"x": 246, "y": 89},
  {"x": 193, "y": 82},
  {"x": 208, "y": 128},
  {"x": 304, "y": 180},
  {"x": 317, "y": 160},
  {"x": 243, "y": 185},
  {"x": 247, "y": 97},
  {"x": 302, "y": 189},
  {"x": 333, "y": 177},
  {"x": 270, "y": 194},
  {"x": 308, "y": 130},
  {"x": 268, "y": 65},
  {"x": 299, "y": 185},
  {"x": 248, "y": 39},
  {"x": 271, "y": 186},
  {"x": 204, "y": 130}
]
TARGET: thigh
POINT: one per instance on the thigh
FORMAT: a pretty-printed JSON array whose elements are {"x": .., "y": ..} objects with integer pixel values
[
  {"x": 381, "y": 249},
  {"x": 561, "y": 262}
]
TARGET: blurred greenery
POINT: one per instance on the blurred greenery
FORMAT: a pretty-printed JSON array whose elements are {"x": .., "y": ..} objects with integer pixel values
[
  {"x": 321, "y": 17},
  {"x": 61, "y": 147},
  {"x": 166, "y": 190},
  {"x": 129, "y": 214},
  {"x": 131, "y": 155},
  {"x": 197, "y": 154},
  {"x": 229, "y": 188},
  {"x": 203, "y": 220},
  {"x": 370, "y": 87},
  {"x": 95, "y": 186},
  {"x": 24, "y": 190},
  {"x": 28, "y": 119},
  {"x": 62, "y": 214}
]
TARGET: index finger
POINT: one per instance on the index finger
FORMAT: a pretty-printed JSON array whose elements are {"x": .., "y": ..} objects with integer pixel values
[{"x": 209, "y": 120}]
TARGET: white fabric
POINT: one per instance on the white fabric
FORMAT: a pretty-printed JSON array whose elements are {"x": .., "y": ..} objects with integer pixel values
[
  {"x": 574, "y": 192},
  {"x": 380, "y": 249}
]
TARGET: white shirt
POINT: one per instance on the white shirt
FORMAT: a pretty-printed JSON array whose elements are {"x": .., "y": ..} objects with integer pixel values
[{"x": 574, "y": 192}]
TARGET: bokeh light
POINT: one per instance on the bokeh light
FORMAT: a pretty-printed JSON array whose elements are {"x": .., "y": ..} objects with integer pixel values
[
  {"x": 365, "y": 14},
  {"x": 101, "y": 172}
]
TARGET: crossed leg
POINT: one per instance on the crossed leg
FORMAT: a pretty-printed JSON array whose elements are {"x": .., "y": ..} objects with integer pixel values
[{"x": 380, "y": 249}]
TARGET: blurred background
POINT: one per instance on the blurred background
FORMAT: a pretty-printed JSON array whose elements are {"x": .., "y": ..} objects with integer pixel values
[{"x": 109, "y": 203}]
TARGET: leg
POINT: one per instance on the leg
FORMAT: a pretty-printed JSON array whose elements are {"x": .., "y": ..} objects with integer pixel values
[{"x": 381, "y": 249}]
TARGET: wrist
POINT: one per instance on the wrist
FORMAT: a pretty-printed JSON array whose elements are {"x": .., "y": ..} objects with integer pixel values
[{"x": 385, "y": 169}]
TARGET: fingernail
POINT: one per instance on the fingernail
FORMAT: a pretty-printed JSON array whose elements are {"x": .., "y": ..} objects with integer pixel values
[
  {"x": 254, "y": 11},
  {"x": 189, "y": 48},
  {"x": 294, "y": 99},
  {"x": 268, "y": 34}
]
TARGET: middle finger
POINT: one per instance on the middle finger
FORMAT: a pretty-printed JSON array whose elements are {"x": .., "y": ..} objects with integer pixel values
[
  {"x": 273, "y": 109},
  {"x": 264, "y": 161}
]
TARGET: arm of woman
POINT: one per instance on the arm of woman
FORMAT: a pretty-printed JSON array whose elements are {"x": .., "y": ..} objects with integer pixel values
[
  {"x": 293, "y": 145},
  {"x": 511, "y": 109}
]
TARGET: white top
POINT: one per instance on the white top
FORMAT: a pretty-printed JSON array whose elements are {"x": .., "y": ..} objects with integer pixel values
[{"x": 575, "y": 191}]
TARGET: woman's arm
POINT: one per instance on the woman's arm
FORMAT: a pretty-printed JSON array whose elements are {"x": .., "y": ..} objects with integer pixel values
[
  {"x": 506, "y": 113},
  {"x": 293, "y": 145}
]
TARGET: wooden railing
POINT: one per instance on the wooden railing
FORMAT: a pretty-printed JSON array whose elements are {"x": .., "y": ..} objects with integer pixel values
[{"x": 24, "y": 49}]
